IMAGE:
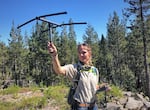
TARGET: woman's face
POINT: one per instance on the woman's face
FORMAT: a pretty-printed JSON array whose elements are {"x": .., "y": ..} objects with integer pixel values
[{"x": 84, "y": 54}]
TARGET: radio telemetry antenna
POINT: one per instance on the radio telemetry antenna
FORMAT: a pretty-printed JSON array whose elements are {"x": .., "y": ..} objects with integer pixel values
[{"x": 51, "y": 24}]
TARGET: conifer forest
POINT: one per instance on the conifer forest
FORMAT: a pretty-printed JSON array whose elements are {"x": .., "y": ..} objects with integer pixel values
[{"x": 122, "y": 56}]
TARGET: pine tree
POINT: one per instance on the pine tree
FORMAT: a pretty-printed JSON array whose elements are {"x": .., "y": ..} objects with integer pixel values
[
  {"x": 116, "y": 45},
  {"x": 134, "y": 58},
  {"x": 91, "y": 37},
  {"x": 64, "y": 47},
  {"x": 38, "y": 55},
  {"x": 16, "y": 58},
  {"x": 103, "y": 60},
  {"x": 3, "y": 61},
  {"x": 140, "y": 9},
  {"x": 72, "y": 43}
]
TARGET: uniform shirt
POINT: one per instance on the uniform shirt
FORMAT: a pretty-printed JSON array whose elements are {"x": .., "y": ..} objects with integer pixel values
[{"x": 86, "y": 89}]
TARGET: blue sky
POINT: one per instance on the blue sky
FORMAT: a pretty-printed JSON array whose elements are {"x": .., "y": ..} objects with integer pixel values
[{"x": 94, "y": 12}]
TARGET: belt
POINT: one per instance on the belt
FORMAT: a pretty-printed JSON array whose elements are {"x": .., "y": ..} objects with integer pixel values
[{"x": 86, "y": 105}]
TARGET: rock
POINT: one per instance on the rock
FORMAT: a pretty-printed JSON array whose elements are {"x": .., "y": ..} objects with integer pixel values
[
  {"x": 128, "y": 94},
  {"x": 113, "y": 106},
  {"x": 145, "y": 102},
  {"x": 133, "y": 104},
  {"x": 123, "y": 100}
]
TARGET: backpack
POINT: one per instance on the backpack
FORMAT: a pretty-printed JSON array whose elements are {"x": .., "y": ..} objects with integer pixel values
[{"x": 72, "y": 89}]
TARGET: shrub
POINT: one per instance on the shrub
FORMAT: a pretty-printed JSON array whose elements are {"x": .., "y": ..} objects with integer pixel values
[
  {"x": 58, "y": 93},
  {"x": 11, "y": 90},
  {"x": 104, "y": 97}
]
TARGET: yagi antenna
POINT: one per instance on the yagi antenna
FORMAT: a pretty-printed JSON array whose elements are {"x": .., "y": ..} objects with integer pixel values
[
  {"x": 51, "y": 25},
  {"x": 39, "y": 18}
]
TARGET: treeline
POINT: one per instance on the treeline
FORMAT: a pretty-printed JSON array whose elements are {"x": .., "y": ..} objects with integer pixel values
[{"x": 122, "y": 56}]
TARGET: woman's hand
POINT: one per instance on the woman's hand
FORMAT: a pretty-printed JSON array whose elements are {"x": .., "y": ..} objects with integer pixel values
[
  {"x": 52, "y": 49},
  {"x": 103, "y": 87}
]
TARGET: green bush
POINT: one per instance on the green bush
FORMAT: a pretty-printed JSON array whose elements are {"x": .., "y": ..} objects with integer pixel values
[
  {"x": 116, "y": 92},
  {"x": 58, "y": 93},
  {"x": 32, "y": 103},
  {"x": 7, "y": 106},
  {"x": 109, "y": 95},
  {"x": 10, "y": 90}
]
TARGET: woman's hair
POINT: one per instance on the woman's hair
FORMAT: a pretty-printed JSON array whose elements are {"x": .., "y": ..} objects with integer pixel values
[
  {"x": 89, "y": 49},
  {"x": 85, "y": 45}
]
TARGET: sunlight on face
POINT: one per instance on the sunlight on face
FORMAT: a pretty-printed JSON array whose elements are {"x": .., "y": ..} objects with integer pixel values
[{"x": 84, "y": 53}]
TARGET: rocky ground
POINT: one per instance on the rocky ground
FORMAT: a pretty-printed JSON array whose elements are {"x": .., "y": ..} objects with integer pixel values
[{"x": 130, "y": 101}]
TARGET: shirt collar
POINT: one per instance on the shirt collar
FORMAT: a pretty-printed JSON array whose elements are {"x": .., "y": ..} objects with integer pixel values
[{"x": 83, "y": 67}]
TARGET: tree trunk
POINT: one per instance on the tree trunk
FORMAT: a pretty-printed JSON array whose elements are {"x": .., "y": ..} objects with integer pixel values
[{"x": 146, "y": 66}]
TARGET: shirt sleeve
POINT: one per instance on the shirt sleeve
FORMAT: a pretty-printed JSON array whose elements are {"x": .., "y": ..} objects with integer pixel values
[{"x": 71, "y": 71}]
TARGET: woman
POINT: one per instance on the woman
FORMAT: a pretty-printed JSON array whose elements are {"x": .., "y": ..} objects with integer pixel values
[{"x": 88, "y": 82}]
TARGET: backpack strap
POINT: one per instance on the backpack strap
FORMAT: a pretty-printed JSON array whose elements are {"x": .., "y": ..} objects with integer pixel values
[
  {"x": 77, "y": 78},
  {"x": 72, "y": 90}
]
